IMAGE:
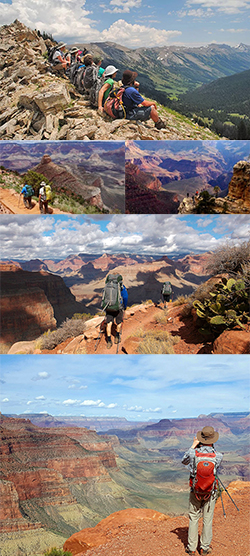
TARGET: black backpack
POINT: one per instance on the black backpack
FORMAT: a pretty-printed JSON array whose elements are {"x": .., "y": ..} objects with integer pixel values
[
  {"x": 90, "y": 77},
  {"x": 166, "y": 288}
]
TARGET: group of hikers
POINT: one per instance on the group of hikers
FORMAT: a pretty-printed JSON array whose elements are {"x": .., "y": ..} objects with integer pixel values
[
  {"x": 44, "y": 196},
  {"x": 118, "y": 99},
  {"x": 114, "y": 303}
]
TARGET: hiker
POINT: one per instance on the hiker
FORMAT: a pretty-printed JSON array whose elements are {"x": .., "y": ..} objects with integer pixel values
[
  {"x": 97, "y": 59},
  {"x": 203, "y": 462},
  {"x": 59, "y": 60},
  {"x": 27, "y": 192},
  {"x": 166, "y": 291},
  {"x": 114, "y": 303},
  {"x": 44, "y": 197},
  {"x": 109, "y": 76},
  {"x": 135, "y": 106}
]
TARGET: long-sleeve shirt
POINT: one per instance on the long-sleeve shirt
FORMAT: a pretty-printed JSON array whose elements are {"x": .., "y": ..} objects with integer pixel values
[
  {"x": 189, "y": 457},
  {"x": 124, "y": 294}
]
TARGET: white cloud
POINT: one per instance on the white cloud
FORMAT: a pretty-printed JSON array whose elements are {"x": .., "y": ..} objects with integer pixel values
[
  {"x": 230, "y": 6},
  {"x": 41, "y": 376},
  {"x": 40, "y": 398},
  {"x": 137, "y": 35},
  {"x": 71, "y": 402},
  {"x": 233, "y": 30},
  {"x": 5, "y": 400},
  {"x": 123, "y": 6}
]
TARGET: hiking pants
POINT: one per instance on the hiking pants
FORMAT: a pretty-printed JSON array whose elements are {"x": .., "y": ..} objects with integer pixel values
[{"x": 198, "y": 508}]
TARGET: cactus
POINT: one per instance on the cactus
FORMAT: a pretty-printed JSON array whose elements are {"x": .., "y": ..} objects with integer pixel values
[{"x": 227, "y": 308}]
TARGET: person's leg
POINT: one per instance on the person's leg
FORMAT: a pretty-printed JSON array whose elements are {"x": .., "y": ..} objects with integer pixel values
[
  {"x": 194, "y": 515},
  {"x": 208, "y": 512},
  {"x": 119, "y": 320},
  {"x": 109, "y": 321}
]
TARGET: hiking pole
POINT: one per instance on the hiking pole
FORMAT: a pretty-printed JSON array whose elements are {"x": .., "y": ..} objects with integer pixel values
[
  {"x": 220, "y": 492},
  {"x": 228, "y": 493}
]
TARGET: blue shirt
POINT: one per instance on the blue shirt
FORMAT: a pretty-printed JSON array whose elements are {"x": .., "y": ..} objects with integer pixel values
[
  {"x": 131, "y": 98},
  {"x": 124, "y": 294}
]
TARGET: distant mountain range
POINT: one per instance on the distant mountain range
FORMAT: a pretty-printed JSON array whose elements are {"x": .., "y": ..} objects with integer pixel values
[{"x": 166, "y": 72}]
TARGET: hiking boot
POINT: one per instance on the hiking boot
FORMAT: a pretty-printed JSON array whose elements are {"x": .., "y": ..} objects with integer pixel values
[
  {"x": 189, "y": 551},
  {"x": 117, "y": 338},
  {"x": 160, "y": 124},
  {"x": 109, "y": 342},
  {"x": 207, "y": 551}
]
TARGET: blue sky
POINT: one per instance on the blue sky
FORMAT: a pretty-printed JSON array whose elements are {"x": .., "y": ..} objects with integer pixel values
[
  {"x": 139, "y": 387},
  {"x": 135, "y": 23},
  {"x": 26, "y": 237}
]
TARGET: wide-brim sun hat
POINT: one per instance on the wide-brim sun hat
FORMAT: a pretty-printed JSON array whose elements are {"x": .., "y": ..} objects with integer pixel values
[
  {"x": 61, "y": 44},
  {"x": 129, "y": 77},
  {"x": 208, "y": 435},
  {"x": 73, "y": 50},
  {"x": 110, "y": 70}
]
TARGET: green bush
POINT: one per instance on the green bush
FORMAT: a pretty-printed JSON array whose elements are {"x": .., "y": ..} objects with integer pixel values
[
  {"x": 34, "y": 179},
  {"x": 57, "y": 552},
  {"x": 229, "y": 307}
]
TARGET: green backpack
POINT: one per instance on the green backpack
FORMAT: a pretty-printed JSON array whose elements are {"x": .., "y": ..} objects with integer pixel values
[
  {"x": 166, "y": 288},
  {"x": 111, "y": 297}
]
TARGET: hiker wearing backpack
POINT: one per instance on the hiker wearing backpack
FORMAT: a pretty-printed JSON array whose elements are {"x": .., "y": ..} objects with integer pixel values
[
  {"x": 166, "y": 292},
  {"x": 44, "y": 197},
  {"x": 109, "y": 77},
  {"x": 114, "y": 303},
  {"x": 136, "y": 107},
  {"x": 27, "y": 192},
  {"x": 57, "y": 58},
  {"x": 203, "y": 461}
]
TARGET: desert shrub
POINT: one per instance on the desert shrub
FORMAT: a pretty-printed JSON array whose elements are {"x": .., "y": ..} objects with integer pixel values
[
  {"x": 232, "y": 259},
  {"x": 158, "y": 342},
  {"x": 206, "y": 204},
  {"x": 228, "y": 307},
  {"x": 70, "y": 328},
  {"x": 34, "y": 179},
  {"x": 83, "y": 316},
  {"x": 57, "y": 552},
  {"x": 180, "y": 300},
  {"x": 160, "y": 318}
]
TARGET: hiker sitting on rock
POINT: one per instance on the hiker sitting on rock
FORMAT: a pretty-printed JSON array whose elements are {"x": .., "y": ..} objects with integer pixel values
[
  {"x": 59, "y": 60},
  {"x": 27, "y": 192},
  {"x": 136, "y": 107},
  {"x": 114, "y": 303},
  {"x": 203, "y": 462},
  {"x": 109, "y": 75},
  {"x": 97, "y": 61}
]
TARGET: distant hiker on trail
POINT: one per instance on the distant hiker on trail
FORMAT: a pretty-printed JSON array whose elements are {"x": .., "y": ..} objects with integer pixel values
[
  {"x": 166, "y": 292},
  {"x": 203, "y": 462},
  {"x": 109, "y": 77},
  {"x": 44, "y": 197},
  {"x": 27, "y": 192},
  {"x": 114, "y": 303},
  {"x": 135, "y": 106}
]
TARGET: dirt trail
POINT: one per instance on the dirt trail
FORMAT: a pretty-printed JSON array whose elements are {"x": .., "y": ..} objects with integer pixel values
[
  {"x": 187, "y": 338},
  {"x": 11, "y": 201}
]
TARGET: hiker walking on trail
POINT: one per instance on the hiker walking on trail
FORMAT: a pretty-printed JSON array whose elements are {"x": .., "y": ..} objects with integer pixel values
[
  {"x": 136, "y": 107},
  {"x": 114, "y": 303},
  {"x": 166, "y": 292},
  {"x": 44, "y": 197},
  {"x": 27, "y": 192},
  {"x": 203, "y": 461}
]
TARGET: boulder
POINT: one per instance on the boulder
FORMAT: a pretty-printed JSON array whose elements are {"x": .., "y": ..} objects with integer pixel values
[
  {"x": 52, "y": 99},
  {"x": 232, "y": 341}
]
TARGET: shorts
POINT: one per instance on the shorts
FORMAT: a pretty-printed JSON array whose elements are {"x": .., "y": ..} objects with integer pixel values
[
  {"x": 114, "y": 315},
  {"x": 139, "y": 113},
  {"x": 166, "y": 296}
]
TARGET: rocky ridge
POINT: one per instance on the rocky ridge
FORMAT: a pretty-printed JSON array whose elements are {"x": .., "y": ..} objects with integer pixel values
[{"x": 37, "y": 105}]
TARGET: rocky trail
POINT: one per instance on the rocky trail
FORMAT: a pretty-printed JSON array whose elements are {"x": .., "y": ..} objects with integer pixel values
[
  {"x": 38, "y": 105},
  {"x": 148, "y": 533}
]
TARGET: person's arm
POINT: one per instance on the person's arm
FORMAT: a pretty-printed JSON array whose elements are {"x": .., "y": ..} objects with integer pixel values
[
  {"x": 124, "y": 297},
  {"x": 100, "y": 95},
  {"x": 149, "y": 103},
  {"x": 189, "y": 455}
]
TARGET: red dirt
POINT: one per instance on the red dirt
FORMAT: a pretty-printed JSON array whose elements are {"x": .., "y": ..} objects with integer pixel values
[{"x": 169, "y": 537}]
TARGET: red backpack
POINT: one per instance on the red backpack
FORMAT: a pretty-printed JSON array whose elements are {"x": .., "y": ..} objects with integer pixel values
[
  {"x": 114, "y": 105},
  {"x": 204, "y": 482}
]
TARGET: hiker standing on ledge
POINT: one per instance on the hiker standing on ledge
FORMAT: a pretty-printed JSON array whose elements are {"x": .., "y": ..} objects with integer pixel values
[{"x": 203, "y": 462}]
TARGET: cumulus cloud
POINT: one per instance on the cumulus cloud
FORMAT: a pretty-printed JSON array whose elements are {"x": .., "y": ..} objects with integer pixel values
[
  {"x": 40, "y": 398},
  {"x": 5, "y": 400},
  {"x": 123, "y": 6},
  {"x": 134, "y": 35},
  {"x": 71, "y": 402},
  {"x": 41, "y": 376}
]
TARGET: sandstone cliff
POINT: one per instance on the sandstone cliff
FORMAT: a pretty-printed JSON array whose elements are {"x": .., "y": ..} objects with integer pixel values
[{"x": 239, "y": 187}]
